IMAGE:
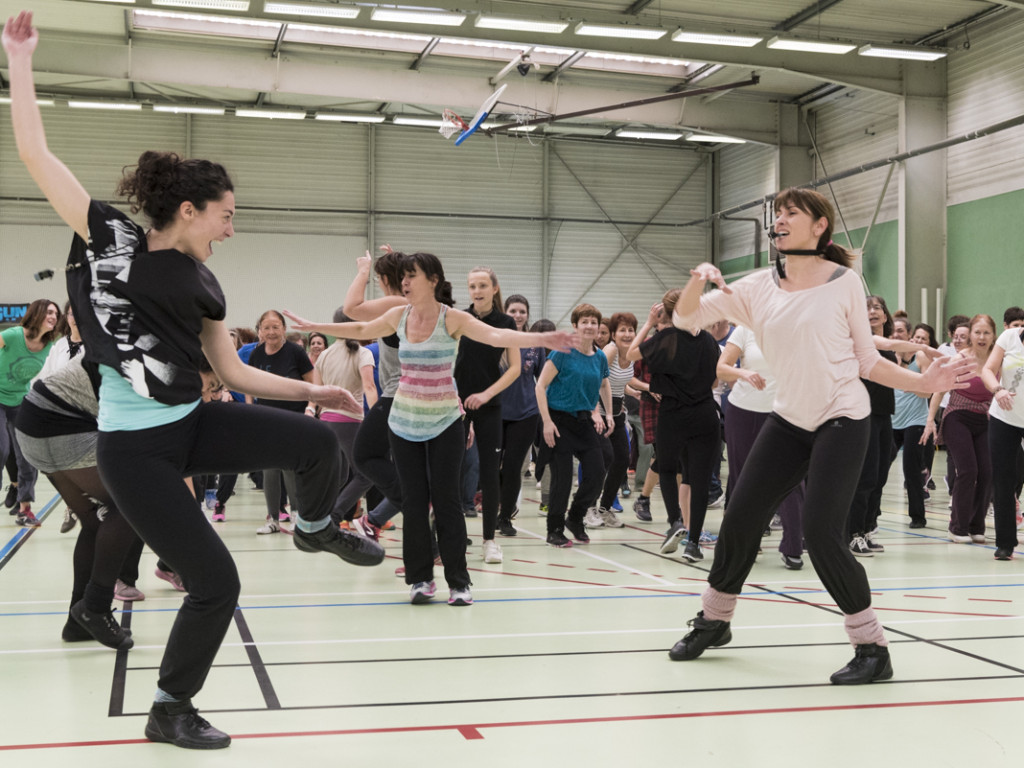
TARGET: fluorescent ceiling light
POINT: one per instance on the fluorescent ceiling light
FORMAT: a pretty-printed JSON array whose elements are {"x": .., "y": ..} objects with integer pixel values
[
  {"x": 185, "y": 109},
  {"x": 714, "y": 38},
  {"x": 711, "y": 139},
  {"x": 112, "y": 105},
  {"x": 420, "y": 121},
  {"x": 272, "y": 114},
  {"x": 649, "y": 135},
  {"x": 418, "y": 17},
  {"x": 578, "y": 130},
  {"x": 39, "y": 102},
  {"x": 809, "y": 46},
  {"x": 523, "y": 128},
  {"x": 209, "y": 5},
  {"x": 311, "y": 9},
  {"x": 901, "y": 52},
  {"x": 520, "y": 25},
  {"x": 339, "y": 118},
  {"x": 121, "y": 2},
  {"x": 619, "y": 30},
  {"x": 636, "y": 59},
  {"x": 346, "y": 32}
]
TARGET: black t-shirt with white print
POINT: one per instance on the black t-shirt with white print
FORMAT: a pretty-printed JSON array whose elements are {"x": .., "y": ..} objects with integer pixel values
[
  {"x": 141, "y": 312},
  {"x": 290, "y": 362}
]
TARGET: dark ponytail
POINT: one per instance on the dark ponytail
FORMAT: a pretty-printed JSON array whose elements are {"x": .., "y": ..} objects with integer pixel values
[
  {"x": 340, "y": 317},
  {"x": 162, "y": 181}
]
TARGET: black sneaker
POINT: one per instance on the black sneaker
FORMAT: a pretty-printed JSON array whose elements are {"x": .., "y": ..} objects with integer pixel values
[
  {"x": 505, "y": 527},
  {"x": 642, "y": 508},
  {"x": 12, "y": 497},
  {"x": 870, "y": 663},
  {"x": 793, "y": 563},
  {"x": 470, "y": 512},
  {"x": 918, "y": 523},
  {"x": 103, "y": 627},
  {"x": 74, "y": 632},
  {"x": 578, "y": 531},
  {"x": 706, "y": 634},
  {"x": 179, "y": 723},
  {"x": 672, "y": 538},
  {"x": 859, "y": 547},
  {"x": 692, "y": 553},
  {"x": 348, "y": 545},
  {"x": 1003, "y": 553},
  {"x": 557, "y": 539}
]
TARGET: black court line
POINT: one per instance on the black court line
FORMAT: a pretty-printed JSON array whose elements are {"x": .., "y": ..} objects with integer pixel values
[
  {"x": 119, "y": 679},
  {"x": 837, "y": 612},
  {"x": 256, "y": 662}
]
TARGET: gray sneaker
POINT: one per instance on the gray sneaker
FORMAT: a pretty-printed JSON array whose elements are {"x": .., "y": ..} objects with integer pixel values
[
  {"x": 69, "y": 522},
  {"x": 642, "y": 509},
  {"x": 672, "y": 538}
]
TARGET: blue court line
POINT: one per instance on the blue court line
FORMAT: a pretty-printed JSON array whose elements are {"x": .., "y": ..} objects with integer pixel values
[{"x": 11, "y": 546}]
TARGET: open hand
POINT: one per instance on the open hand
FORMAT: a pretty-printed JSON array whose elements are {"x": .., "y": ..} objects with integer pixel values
[{"x": 20, "y": 37}]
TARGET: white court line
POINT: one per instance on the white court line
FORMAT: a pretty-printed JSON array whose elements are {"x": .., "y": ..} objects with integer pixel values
[
  {"x": 524, "y": 635},
  {"x": 606, "y": 561}
]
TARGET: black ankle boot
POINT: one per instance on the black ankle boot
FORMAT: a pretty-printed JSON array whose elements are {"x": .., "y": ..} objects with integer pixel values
[
  {"x": 102, "y": 626},
  {"x": 870, "y": 663},
  {"x": 706, "y": 634},
  {"x": 179, "y": 723}
]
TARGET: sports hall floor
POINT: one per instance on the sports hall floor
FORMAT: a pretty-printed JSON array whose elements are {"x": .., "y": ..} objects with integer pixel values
[{"x": 561, "y": 661}]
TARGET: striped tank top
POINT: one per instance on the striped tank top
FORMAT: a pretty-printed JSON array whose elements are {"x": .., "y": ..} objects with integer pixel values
[{"x": 426, "y": 402}]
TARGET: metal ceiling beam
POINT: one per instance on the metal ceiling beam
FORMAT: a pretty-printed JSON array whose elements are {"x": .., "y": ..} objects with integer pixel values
[
  {"x": 638, "y": 6},
  {"x": 424, "y": 54},
  {"x": 552, "y": 76},
  {"x": 806, "y": 14}
]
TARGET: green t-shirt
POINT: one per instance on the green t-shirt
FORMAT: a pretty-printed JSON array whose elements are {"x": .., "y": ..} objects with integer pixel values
[{"x": 18, "y": 365}]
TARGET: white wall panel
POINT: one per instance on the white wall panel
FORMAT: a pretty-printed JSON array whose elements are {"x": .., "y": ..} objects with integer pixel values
[
  {"x": 986, "y": 86},
  {"x": 746, "y": 172}
]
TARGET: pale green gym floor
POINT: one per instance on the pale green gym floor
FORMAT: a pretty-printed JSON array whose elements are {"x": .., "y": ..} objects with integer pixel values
[{"x": 561, "y": 661}]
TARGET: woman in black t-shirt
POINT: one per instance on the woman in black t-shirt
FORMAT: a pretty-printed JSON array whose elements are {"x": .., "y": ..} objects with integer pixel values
[
  {"x": 274, "y": 354},
  {"x": 148, "y": 309}
]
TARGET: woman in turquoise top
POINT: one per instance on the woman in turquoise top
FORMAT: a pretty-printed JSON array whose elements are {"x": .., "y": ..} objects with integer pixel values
[
  {"x": 908, "y": 430},
  {"x": 23, "y": 350}
]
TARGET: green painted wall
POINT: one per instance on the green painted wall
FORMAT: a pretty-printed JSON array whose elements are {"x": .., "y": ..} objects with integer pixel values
[{"x": 984, "y": 265}]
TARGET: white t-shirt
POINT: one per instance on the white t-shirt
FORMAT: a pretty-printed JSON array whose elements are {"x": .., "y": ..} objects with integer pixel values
[
  {"x": 745, "y": 395},
  {"x": 337, "y": 366},
  {"x": 1011, "y": 376},
  {"x": 948, "y": 350},
  {"x": 817, "y": 341}
]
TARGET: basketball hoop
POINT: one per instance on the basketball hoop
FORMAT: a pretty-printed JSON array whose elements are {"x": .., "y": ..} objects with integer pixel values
[{"x": 451, "y": 124}]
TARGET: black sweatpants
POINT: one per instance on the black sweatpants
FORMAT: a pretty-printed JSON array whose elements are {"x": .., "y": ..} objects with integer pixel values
[
  {"x": 619, "y": 464},
  {"x": 371, "y": 452},
  {"x": 144, "y": 471},
  {"x": 487, "y": 430},
  {"x": 689, "y": 443},
  {"x": 867, "y": 500},
  {"x": 1003, "y": 441},
  {"x": 517, "y": 440},
  {"x": 576, "y": 437},
  {"x": 830, "y": 458}
]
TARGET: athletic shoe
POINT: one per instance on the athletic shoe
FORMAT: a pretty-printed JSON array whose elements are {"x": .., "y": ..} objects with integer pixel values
[
  {"x": 592, "y": 519},
  {"x": 388, "y": 526},
  {"x": 69, "y": 521},
  {"x": 460, "y": 597},
  {"x": 859, "y": 547},
  {"x": 271, "y": 526},
  {"x": 957, "y": 539},
  {"x": 1003, "y": 553},
  {"x": 776, "y": 523},
  {"x": 219, "y": 515},
  {"x": 542, "y": 509},
  {"x": 102, "y": 626},
  {"x": 872, "y": 542},
  {"x": 284, "y": 516},
  {"x": 578, "y": 531},
  {"x": 930, "y": 485},
  {"x": 708, "y": 539},
  {"x": 792, "y": 563},
  {"x": 715, "y": 502},
  {"x": 171, "y": 578},
  {"x": 557, "y": 539},
  {"x": 26, "y": 519},
  {"x": 12, "y": 497},
  {"x": 470, "y": 512},
  {"x": 692, "y": 553},
  {"x": 73, "y": 632},
  {"x": 365, "y": 528},
  {"x": 870, "y": 663},
  {"x": 127, "y": 592},
  {"x": 179, "y": 723},
  {"x": 642, "y": 508},
  {"x": 211, "y": 500},
  {"x": 672, "y": 538},
  {"x": 492, "y": 552},
  {"x": 616, "y": 506},
  {"x": 625, "y": 490},
  {"x": 349, "y": 546},
  {"x": 705, "y": 634},
  {"x": 918, "y": 523},
  {"x": 505, "y": 527},
  {"x": 400, "y": 571},
  {"x": 422, "y": 592},
  {"x": 609, "y": 518}
]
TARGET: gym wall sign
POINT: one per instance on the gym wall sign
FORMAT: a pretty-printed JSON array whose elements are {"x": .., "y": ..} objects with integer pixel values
[{"x": 12, "y": 313}]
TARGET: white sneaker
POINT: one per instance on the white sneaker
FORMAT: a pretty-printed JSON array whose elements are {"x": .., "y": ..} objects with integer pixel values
[
  {"x": 978, "y": 538},
  {"x": 271, "y": 526},
  {"x": 593, "y": 519},
  {"x": 958, "y": 539},
  {"x": 609, "y": 518},
  {"x": 492, "y": 552}
]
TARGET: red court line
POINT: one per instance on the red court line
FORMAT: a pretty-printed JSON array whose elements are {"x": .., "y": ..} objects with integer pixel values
[{"x": 472, "y": 730}]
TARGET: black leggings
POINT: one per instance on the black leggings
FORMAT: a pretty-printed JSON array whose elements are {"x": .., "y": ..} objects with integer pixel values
[
  {"x": 867, "y": 500},
  {"x": 487, "y": 430},
  {"x": 371, "y": 451},
  {"x": 1004, "y": 441},
  {"x": 619, "y": 464},
  {"x": 427, "y": 479},
  {"x": 576, "y": 437},
  {"x": 830, "y": 458},
  {"x": 916, "y": 458},
  {"x": 688, "y": 444},
  {"x": 143, "y": 471},
  {"x": 517, "y": 440}
]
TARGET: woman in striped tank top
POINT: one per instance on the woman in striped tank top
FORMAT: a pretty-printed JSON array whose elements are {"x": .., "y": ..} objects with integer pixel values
[{"x": 427, "y": 434}]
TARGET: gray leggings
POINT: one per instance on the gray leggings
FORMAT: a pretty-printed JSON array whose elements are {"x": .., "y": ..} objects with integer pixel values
[{"x": 27, "y": 474}]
